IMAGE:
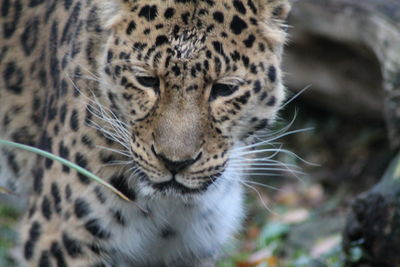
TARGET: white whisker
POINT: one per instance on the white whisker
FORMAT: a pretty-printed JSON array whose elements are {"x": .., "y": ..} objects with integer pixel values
[
  {"x": 261, "y": 164},
  {"x": 264, "y": 174},
  {"x": 280, "y": 131},
  {"x": 110, "y": 164},
  {"x": 260, "y": 197},
  {"x": 295, "y": 96},
  {"x": 118, "y": 151},
  {"x": 275, "y": 138},
  {"x": 263, "y": 185},
  {"x": 271, "y": 169}
]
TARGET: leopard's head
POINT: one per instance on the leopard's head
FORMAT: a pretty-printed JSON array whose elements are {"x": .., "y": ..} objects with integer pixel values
[{"x": 192, "y": 80}]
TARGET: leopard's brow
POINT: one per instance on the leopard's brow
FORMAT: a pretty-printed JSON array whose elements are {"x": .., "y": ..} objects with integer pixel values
[
  {"x": 140, "y": 68},
  {"x": 233, "y": 80}
]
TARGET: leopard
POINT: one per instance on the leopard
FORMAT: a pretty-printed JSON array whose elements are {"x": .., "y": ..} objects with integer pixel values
[{"x": 155, "y": 97}]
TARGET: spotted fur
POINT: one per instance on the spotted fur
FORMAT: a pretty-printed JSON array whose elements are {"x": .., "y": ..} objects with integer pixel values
[{"x": 152, "y": 96}]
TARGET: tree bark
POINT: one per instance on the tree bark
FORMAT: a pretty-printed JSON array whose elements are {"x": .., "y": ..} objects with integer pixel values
[
  {"x": 349, "y": 52},
  {"x": 373, "y": 224}
]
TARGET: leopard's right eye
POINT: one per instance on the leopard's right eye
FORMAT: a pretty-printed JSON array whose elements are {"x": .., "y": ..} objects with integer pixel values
[{"x": 149, "y": 81}]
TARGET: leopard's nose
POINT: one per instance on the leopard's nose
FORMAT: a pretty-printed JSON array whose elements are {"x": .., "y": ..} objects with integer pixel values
[{"x": 175, "y": 166}]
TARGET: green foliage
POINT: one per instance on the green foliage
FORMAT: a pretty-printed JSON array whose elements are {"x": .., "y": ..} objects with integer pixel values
[
  {"x": 272, "y": 234},
  {"x": 8, "y": 220}
]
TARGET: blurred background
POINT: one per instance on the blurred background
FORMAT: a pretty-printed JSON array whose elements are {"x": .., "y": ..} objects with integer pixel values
[{"x": 345, "y": 54}]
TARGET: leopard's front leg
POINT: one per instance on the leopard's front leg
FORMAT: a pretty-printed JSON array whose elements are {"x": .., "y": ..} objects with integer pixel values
[{"x": 66, "y": 221}]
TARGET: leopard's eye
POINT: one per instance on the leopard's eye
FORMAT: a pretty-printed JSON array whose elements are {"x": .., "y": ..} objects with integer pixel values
[
  {"x": 221, "y": 89},
  {"x": 149, "y": 81}
]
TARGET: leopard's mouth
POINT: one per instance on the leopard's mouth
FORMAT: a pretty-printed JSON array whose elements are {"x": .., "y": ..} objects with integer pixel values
[{"x": 173, "y": 186}]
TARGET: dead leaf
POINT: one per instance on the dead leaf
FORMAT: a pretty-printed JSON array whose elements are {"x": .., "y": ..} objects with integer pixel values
[
  {"x": 325, "y": 245},
  {"x": 294, "y": 216}
]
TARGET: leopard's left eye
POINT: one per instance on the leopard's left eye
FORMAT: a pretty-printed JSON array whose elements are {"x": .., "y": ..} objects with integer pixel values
[
  {"x": 149, "y": 81},
  {"x": 222, "y": 89}
]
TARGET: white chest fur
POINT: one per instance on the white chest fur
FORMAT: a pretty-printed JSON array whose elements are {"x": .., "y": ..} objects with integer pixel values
[{"x": 175, "y": 231}]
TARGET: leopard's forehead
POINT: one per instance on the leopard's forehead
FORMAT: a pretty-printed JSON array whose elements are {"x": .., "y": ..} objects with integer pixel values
[
  {"x": 197, "y": 41},
  {"x": 186, "y": 44},
  {"x": 187, "y": 26}
]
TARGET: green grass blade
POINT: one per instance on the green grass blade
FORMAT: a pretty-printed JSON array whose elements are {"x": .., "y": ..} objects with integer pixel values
[
  {"x": 6, "y": 191},
  {"x": 66, "y": 163}
]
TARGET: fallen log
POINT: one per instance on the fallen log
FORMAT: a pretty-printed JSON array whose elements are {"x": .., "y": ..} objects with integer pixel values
[{"x": 373, "y": 224}]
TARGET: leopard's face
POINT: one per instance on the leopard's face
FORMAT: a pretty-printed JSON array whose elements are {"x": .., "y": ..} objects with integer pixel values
[{"x": 192, "y": 80}]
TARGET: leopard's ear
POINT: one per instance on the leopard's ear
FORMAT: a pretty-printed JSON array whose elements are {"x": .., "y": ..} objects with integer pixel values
[
  {"x": 112, "y": 11},
  {"x": 272, "y": 14},
  {"x": 274, "y": 9}
]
